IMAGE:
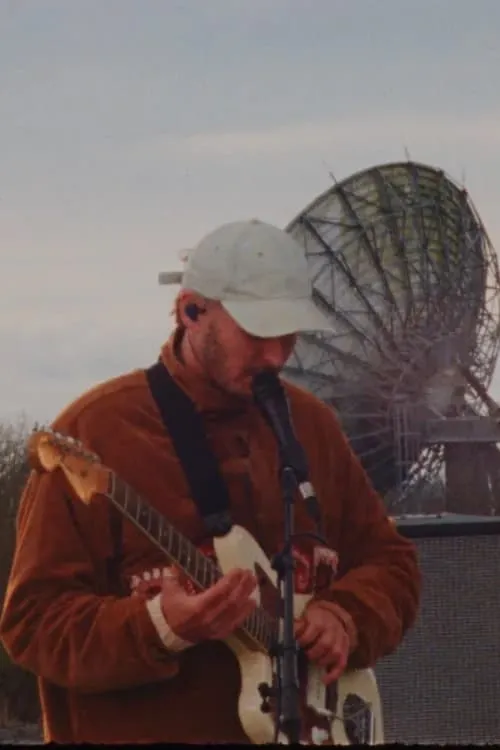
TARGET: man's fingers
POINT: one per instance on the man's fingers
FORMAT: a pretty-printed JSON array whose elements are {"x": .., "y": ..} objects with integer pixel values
[
  {"x": 325, "y": 643},
  {"x": 335, "y": 670},
  {"x": 226, "y": 625},
  {"x": 236, "y": 584},
  {"x": 172, "y": 583},
  {"x": 214, "y": 613},
  {"x": 234, "y": 602},
  {"x": 244, "y": 587},
  {"x": 321, "y": 650},
  {"x": 225, "y": 602},
  {"x": 226, "y": 619},
  {"x": 306, "y": 633}
]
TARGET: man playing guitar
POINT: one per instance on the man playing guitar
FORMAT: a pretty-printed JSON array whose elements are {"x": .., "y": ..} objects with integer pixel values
[{"x": 139, "y": 655}]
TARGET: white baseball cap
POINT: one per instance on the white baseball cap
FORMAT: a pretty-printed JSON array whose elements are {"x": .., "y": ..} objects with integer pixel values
[{"x": 260, "y": 275}]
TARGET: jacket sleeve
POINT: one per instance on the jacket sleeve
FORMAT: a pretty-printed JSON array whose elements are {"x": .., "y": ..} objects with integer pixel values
[
  {"x": 378, "y": 582},
  {"x": 55, "y": 623}
]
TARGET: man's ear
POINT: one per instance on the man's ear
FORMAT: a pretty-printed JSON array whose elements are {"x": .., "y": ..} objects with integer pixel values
[{"x": 189, "y": 307}]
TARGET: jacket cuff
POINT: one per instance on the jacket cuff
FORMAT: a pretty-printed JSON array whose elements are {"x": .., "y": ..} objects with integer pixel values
[
  {"x": 343, "y": 616},
  {"x": 170, "y": 640}
]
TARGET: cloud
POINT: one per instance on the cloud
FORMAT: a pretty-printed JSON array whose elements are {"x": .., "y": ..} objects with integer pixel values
[
  {"x": 291, "y": 163},
  {"x": 310, "y": 137}
]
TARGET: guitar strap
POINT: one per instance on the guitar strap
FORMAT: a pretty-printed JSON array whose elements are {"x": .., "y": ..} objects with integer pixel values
[{"x": 185, "y": 428}]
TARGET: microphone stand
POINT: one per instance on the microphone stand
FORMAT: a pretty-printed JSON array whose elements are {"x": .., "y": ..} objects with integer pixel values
[
  {"x": 288, "y": 688},
  {"x": 271, "y": 400}
]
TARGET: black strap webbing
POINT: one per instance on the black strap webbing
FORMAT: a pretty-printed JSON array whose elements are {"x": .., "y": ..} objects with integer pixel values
[{"x": 185, "y": 428}]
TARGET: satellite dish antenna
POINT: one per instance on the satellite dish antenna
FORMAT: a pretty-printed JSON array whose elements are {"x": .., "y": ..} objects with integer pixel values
[{"x": 402, "y": 264}]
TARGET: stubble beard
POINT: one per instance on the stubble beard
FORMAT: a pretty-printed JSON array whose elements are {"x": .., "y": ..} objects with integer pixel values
[{"x": 215, "y": 366}]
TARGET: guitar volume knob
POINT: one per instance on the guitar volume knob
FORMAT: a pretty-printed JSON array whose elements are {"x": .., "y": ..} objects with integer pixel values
[
  {"x": 265, "y": 707},
  {"x": 265, "y": 690}
]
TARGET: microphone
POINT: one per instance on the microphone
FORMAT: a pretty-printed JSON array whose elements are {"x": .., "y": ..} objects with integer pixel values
[{"x": 270, "y": 397}]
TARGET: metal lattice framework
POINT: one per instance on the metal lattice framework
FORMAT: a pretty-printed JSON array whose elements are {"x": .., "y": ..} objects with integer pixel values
[{"x": 402, "y": 264}]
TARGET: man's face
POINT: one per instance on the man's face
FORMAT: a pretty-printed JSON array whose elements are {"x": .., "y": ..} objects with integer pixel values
[{"x": 229, "y": 356}]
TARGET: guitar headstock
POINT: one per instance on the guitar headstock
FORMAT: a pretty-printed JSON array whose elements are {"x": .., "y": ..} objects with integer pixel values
[{"x": 48, "y": 451}]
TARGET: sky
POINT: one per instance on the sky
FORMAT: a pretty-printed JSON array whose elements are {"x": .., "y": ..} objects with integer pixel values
[{"x": 130, "y": 128}]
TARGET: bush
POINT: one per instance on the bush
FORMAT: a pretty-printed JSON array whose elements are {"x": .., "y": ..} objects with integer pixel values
[{"x": 18, "y": 693}]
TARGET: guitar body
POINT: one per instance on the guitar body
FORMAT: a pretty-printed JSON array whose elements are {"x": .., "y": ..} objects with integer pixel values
[{"x": 322, "y": 723}]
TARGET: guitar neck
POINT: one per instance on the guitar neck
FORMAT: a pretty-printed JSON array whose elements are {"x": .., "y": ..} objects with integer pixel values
[
  {"x": 179, "y": 550},
  {"x": 260, "y": 626}
]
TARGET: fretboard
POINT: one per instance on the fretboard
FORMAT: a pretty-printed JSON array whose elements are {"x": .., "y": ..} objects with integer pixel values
[{"x": 261, "y": 626}]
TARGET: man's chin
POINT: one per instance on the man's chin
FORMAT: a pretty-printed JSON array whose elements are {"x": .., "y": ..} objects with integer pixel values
[
  {"x": 242, "y": 392},
  {"x": 241, "y": 389}
]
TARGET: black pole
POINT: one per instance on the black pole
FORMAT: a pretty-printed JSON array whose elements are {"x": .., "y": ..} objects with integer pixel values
[
  {"x": 288, "y": 697},
  {"x": 272, "y": 401}
]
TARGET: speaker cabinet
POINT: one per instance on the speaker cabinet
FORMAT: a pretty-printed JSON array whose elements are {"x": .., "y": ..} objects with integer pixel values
[{"x": 443, "y": 683}]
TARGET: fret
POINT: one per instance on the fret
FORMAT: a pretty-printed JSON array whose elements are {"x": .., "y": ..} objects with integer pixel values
[
  {"x": 161, "y": 529},
  {"x": 259, "y": 626},
  {"x": 206, "y": 578},
  {"x": 196, "y": 564},
  {"x": 163, "y": 533},
  {"x": 121, "y": 494},
  {"x": 135, "y": 506},
  {"x": 200, "y": 569},
  {"x": 146, "y": 515},
  {"x": 266, "y": 628},
  {"x": 250, "y": 625},
  {"x": 111, "y": 485},
  {"x": 156, "y": 526},
  {"x": 170, "y": 540},
  {"x": 126, "y": 497},
  {"x": 151, "y": 516},
  {"x": 137, "y": 512},
  {"x": 113, "y": 489},
  {"x": 212, "y": 576},
  {"x": 182, "y": 553},
  {"x": 175, "y": 548}
]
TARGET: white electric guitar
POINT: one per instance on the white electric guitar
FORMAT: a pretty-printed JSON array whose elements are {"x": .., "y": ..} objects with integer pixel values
[{"x": 347, "y": 712}]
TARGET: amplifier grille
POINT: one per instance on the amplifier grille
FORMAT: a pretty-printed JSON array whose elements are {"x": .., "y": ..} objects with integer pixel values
[{"x": 443, "y": 683}]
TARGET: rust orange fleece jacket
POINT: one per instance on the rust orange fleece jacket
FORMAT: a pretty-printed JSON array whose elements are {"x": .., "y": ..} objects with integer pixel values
[{"x": 104, "y": 674}]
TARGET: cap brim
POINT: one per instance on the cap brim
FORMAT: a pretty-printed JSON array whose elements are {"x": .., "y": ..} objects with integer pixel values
[
  {"x": 277, "y": 317},
  {"x": 170, "y": 277}
]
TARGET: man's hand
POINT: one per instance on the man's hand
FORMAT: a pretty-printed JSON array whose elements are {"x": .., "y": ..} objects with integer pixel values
[
  {"x": 324, "y": 639},
  {"x": 213, "y": 614}
]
